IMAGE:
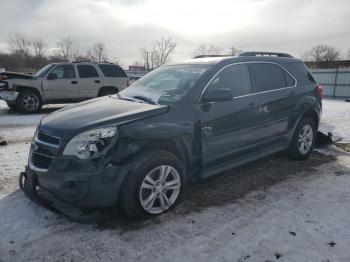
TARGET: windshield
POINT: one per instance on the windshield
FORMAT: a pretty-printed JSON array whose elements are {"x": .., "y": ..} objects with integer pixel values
[
  {"x": 167, "y": 84},
  {"x": 42, "y": 72}
]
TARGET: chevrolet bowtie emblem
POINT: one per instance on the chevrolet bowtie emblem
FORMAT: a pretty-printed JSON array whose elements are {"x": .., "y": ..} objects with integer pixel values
[{"x": 35, "y": 147}]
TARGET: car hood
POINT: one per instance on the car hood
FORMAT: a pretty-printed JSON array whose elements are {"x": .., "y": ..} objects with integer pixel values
[
  {"x": 104, "y": 111},
  {"x": 13, "y": 75}
]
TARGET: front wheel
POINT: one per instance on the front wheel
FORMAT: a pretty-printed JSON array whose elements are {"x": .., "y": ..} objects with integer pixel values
[
  {"x": 155, "y": 186},
  {"x": 28, "y": 102},
  {"x": 303, "y": 139}
]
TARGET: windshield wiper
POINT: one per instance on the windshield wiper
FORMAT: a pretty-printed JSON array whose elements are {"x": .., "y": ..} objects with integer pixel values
[
  {"x": 146, "y": 99},
  {"x": 139, "y": 99},
  {"x": 125, "y": 98}
]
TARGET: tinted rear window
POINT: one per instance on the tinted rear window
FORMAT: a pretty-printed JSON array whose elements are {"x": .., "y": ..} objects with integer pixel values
[
  {"x": 300, "y": 72},
  {"x": 112, "y": 71},
  {"x": 270, "y": 76},
  {"x": 87, "y": 71}
]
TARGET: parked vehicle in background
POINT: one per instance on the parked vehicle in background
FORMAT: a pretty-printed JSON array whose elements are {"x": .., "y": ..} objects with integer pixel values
[
  {"x": 178, "y": 123},
  {"x": 61, "y": 83}
]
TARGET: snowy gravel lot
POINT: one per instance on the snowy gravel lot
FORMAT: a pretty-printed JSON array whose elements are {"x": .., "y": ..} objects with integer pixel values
[{"x": 293, "y": 211}]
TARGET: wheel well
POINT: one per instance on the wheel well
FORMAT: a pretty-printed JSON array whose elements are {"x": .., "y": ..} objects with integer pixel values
[
  {"x": 171, "y": 146},
  {"x": 107, "y": 88},
  {"x": 28, "y": 88},
  {"x": 313, "y": 115}
]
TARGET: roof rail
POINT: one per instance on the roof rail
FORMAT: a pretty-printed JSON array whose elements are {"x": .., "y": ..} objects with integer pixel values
[
  {"x": 204, "y": 56},
  {"x": 83, "y": 61},
  {"x": 256, "y": 53}
]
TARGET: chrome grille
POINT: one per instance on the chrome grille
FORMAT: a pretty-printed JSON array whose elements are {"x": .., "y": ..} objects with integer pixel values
[
  {"x": 43, "y": 150},
  {"x": 48, "y": 139}
]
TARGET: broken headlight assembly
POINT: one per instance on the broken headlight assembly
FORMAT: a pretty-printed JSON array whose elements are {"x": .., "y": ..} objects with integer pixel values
[{"x": 91, "y": 143}]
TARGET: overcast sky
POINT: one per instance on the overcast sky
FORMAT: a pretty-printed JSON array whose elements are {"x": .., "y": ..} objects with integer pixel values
[{"x": 126, "y": 25}]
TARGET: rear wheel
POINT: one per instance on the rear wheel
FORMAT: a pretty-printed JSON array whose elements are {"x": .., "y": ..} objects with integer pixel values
[
  {"x": 155, "y": 186},
  {"x": 108, "y": 92},
  {"x": 303, "y": 139},
  {"x": 28, "y": 102}
]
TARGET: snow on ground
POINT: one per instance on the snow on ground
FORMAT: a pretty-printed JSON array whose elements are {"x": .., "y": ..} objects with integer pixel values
[
  {"x": 15, "y": 126},
  {"x": 305, "y": 217},
  {"x": 336, "y": 118}
]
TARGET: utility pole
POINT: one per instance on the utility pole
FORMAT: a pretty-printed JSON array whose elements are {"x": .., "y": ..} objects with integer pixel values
[{"x": 233, "y": 50}]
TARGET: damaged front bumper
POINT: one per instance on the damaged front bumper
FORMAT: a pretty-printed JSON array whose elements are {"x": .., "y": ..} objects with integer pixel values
[
  {"x": 8, "y": 96},
  {"x": 75, "y": 196}
]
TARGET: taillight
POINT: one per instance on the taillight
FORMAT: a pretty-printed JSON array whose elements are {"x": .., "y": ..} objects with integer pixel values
[{"x": 319, "y": 90}]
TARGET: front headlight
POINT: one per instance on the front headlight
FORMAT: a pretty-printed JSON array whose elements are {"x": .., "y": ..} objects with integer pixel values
[{"x": 90, "y": 143}]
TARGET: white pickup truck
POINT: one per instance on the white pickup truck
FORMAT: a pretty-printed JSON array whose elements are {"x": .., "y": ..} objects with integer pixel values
[{"x": 61, "y": 83}]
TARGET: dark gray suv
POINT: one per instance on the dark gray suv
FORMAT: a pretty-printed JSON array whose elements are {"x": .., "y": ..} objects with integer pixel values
[{"x": 179, "y": 123}]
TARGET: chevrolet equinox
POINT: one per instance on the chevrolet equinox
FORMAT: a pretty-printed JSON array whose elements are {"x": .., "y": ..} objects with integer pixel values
[{"x": 179, "y": 123}]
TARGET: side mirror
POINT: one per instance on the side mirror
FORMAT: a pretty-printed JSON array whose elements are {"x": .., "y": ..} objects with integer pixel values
[
  {"x": 217, "y": 95},
  {"x": 52, "y": 76}
]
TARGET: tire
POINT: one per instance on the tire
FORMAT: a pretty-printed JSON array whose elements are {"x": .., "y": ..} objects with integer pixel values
[
  {"x": 108, "y": 91},
  {"x": 303, "y": 139},
  {"x": 28, "y": 102},
  {"x": 12, "y": 107},
  {"x": 144, "y": 193}
]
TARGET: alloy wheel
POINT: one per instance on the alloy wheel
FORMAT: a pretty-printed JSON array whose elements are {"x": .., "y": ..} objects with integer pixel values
[
  {"x": 30, "y": 102},
  {"x": 305, "y": 139},
  {"x": 160, "y": 189}
]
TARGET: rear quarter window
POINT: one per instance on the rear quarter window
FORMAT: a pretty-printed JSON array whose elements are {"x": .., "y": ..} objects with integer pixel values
[
  {"x": 270, "y": 76},
  {"x": 301, "y": 73},
  {"x": 112, "y": 71}
]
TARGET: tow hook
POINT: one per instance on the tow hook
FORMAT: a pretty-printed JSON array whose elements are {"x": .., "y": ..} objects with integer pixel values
[{"x": 22, "y": 178}]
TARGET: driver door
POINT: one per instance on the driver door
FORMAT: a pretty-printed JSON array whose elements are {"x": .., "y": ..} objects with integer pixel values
[
  {"x": 62, "y": 83},
  {"x": 229, "y": 128}
]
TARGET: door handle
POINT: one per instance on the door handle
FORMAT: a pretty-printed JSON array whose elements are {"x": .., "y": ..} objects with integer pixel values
[
  {"x": 97, "y": 81},
  {"x": 74, "y": 82},
  {"x": 252, "y": 107}
]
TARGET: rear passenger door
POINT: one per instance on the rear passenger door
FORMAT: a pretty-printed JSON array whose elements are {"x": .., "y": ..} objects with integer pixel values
[
  {"x": 276, "y": 88},
  {"x": 89, "y": 81}
]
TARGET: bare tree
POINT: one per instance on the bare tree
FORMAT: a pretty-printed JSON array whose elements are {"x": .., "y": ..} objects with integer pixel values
[
  {"x": 69, "y": 48},
  {"x": 39, "y": 49},
  {"x": 97, "y": 52},
  {"x": 158, "y": 52},
  {"x": 208, "y": 50},
  {"x": 321, "y": 54},
  {"x": 20, "y": 47},
  {"x": 163, "y": 48},
  {"x": 19, "y": 44}
]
